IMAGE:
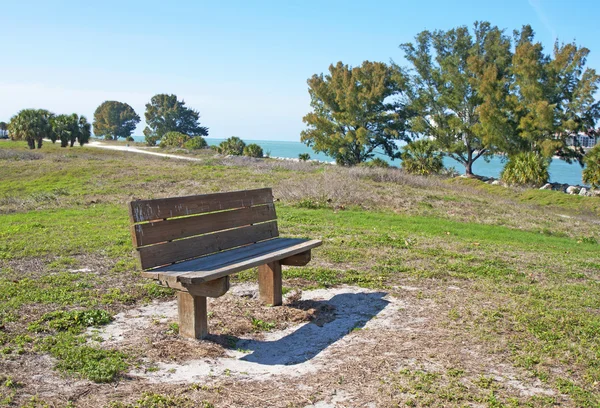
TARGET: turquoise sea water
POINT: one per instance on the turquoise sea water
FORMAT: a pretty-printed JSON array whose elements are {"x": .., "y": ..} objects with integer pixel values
[{"x": 560, "y": 171}]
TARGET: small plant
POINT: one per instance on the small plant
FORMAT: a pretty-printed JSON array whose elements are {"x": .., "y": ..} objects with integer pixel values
[
  {"x": 173, "y": 139},
  {"x": 74, "y": 321},
  {"x": 526, "y": 169},
  {"x": 591, "y": 172},
  {"x": 304, "y": 156},
  {"x": 261, "y": 325},
  {"x": 233, "y": 146},
  {"x": 196, "y": 143},
  {"x": 173, "y": 328},
  {"x": 421, "y": 157},
  {"x": 253, "y": 150}
]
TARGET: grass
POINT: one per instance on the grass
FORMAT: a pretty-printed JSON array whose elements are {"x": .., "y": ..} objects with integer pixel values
[{"x": 529, "y": 260}]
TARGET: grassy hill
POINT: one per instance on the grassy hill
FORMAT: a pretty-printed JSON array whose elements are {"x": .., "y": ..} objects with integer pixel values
[{"x": 508, "y": 277}]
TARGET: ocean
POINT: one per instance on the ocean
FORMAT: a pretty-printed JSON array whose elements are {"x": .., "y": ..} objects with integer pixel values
[{"x": 560, "y": 171}]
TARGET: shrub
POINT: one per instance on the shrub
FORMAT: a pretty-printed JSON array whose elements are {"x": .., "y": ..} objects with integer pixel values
[
  {"x": 196, "y": 143},
  {"x": 591, "y": 172},
  {"x": 304, "y": 156},
  {"x": 151, "y": 139},
  {"x": 376, "y": 162},
  {"x": 232, "y": 146},
  {"x": 253, "y": 150},
  {"x": 130, "y": 139},
  {"x": 421, "y": 157},
  {"x": 526, "y": 169},
  {"x": 173, "y": 139}
]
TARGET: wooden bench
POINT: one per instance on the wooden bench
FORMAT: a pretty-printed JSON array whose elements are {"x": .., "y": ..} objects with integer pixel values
[{"x": 193, "y": 244}]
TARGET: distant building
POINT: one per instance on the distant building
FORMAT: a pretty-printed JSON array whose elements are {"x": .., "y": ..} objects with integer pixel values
[{"x": 583, "y": 140}]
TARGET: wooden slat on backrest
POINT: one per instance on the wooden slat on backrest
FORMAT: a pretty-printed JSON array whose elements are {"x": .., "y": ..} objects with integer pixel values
[
  {"x": 149, "y": 210},
  {"x": 169, "y": 252},
  {"x": 171, "y": 229}
]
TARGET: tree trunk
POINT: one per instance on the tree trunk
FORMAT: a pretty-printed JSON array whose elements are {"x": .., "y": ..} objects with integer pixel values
[
  {"x": 469, "y": 168},
  {"x": 31, "y": 143},
  {"x": 39, "y": 143},
  {"x": 469, "y": 163}
]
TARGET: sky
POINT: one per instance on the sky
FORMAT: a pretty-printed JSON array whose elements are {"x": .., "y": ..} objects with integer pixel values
[{"x": 242, "y": 64}]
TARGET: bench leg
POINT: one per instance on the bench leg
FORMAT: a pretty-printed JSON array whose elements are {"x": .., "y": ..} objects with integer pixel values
[
  {"x": 193, "y": 322},
  {"x": 269, "y": 283}
]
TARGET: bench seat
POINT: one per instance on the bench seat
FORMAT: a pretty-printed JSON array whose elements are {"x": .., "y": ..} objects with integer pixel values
[{"x": 220, "y": 264}]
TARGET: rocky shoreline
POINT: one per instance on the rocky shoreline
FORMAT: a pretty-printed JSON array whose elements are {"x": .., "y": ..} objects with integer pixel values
[{"x": 565, "y": 188}]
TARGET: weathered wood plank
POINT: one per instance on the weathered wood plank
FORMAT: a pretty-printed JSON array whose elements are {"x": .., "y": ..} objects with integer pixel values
[
  {"x": 162, "y": 254},
  {"x": 204, "y": 276},
  {"x": 149, "y": 210},
  {"x": 193, "y": 321},
  {"x": 209, "y": 262},
  {"x": 171, "y": 229},
  {"x": 297, "y": 260},
  {"x": 212, "y": 289},
  {"x": 205, "y": 265},
  {"x": 269, "y": 283}
]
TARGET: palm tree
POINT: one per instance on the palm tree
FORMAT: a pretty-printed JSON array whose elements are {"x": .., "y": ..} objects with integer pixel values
[
  {"x": 64, "y": 127},
  {"x": 32, "y": 125},
  {"x": 85, "y": 131}
]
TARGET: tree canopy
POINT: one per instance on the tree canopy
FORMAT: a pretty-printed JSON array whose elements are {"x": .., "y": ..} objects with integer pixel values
[
  {"x": 355, "y": 111},
  {"x": 551, "y": 97},
  {"x": 70, "y": 129},
  {"x": 165, "y": 114},
  {"x": 456, "y": 74},
  {"x": 113, "y": 119},
  {"x": 476, "y": 94},
  {"x": 31, "y": 125}
]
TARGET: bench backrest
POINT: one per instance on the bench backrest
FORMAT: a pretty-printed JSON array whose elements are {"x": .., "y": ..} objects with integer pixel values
[{"x": 168, "y": 230}]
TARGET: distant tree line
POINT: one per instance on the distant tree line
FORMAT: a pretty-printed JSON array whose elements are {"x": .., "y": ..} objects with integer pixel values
[
  {"x": 35, "y": 125},
  {"x": 164, "y": 114},
  {"x": 466, "y": 94},
  {"x": 112, "y": 120}
]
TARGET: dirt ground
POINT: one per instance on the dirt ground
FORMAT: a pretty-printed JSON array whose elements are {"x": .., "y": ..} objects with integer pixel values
[{"x": 336, "y": 347}]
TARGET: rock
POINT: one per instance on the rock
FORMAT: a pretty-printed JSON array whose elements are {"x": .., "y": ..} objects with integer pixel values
[
  {"x": 546, "y": 186},
  {"x": 572, "y": 190},
  {"x": 496, "y": 183},
  {"x": 583, "y": 192},
  {"x": 594, "y": 192}
]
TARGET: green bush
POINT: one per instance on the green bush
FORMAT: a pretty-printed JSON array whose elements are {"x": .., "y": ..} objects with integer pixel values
[
  {"x": 173, "y": 139},
  {"x": 196, "y": 143},
  {"x": 304, "y": 156},
  {"x": 151, "y": 139},
  {"x": 526, "y": 169},
  {"x": 232, "y": 146},
  {"x": 253, "y": 150},
  {"x": 376, "y": 162},
  {"x": 591, "y": 172},
  {"x": 421, "y": 157}
]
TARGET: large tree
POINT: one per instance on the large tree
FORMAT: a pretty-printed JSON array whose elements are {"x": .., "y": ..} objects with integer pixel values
[
  {"x": 165, "y": 114},
  {"x": 552, "y": 97},
  {"x": 356, "y": 111},
  {"x": 457, "y": 75},
  {"x": 113, "y": 119},
  {"x": 70, "y": 129},
  {"x": 31, "y": 125}
]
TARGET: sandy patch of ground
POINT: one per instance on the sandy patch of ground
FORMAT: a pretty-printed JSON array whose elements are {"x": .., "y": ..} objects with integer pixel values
[{"x": 337, "y": 347}]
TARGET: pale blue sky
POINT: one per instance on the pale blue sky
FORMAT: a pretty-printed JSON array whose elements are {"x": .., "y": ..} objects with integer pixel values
[{"x": 242, "y": 64}]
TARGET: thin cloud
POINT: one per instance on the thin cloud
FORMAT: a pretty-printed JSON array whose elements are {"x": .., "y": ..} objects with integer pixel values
[{"x": 537, "y": 7}]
